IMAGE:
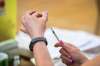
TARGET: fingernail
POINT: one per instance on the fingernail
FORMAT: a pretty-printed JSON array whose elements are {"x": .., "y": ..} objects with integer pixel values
[
  {"x": 71, "y": 61},
  {"x": 69, "y": 57}
]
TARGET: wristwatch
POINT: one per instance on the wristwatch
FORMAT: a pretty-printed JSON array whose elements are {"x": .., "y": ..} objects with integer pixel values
[{"x": 35, "y": 40}]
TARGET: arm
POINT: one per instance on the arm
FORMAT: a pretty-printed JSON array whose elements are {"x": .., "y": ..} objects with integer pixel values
[
  {"x": 41, "y": 55},
  {"x": 35, "y": 26},
  {"x": 71, "y": 55}
]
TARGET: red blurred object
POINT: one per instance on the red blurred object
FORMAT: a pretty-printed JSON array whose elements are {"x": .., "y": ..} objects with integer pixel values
[
  {"x": 2, "y": 3},
  {"x": 61, "y": 42}
]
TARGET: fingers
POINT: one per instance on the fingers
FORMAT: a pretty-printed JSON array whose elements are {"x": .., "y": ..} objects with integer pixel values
[
  {"x": 58, "y": 45},
  {"x": 65, "y": 53},
  {"x": 25, "y": 19},
  {"x": 37, "y": 14},
  {"x": 66, "y": 60},
  {"x": 32, "y": 12},
  {"x": 45, "y": 15},
  {"x": 23, "y": 29},
  {"x": 64, "y": 45},
  {"x": 72, "y": 45},
  {"x": 29, "y": 12},
  {"x": 70, "y": 54}
]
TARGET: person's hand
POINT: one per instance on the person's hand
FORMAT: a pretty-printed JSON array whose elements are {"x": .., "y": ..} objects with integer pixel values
[
  {"x": 71, "y": 55},
  {"x": 35, "y": 23}
]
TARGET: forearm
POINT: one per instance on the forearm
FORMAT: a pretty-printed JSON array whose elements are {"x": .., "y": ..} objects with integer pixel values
[
  {"x": 35, "y": 26},
  {"x": 41, "y": 55}
]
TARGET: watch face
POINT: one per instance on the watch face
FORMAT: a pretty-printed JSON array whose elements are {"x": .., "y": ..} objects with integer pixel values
[{"x": 2, "y": 7}]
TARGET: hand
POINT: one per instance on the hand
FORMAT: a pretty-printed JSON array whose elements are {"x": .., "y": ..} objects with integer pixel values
[
  {"x": 35, "y": 23},
  {"x": 70, "y": 53}
]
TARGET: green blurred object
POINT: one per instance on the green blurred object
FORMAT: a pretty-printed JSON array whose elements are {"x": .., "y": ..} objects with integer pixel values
[
  {"x": 8, "y": 21},
  {"x": 3, "y": 59},
  {"x": 10, "y": 47},
  {"x": 8, "y": 44}
]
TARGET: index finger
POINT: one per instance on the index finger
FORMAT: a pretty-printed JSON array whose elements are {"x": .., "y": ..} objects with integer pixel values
[
  {"x": 64, "y": 45},
  {"x": 59, "y": 44}
]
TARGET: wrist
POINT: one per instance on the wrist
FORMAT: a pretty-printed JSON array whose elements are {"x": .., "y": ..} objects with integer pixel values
[
  {"x": 37, "y": 40},
  {"x": 37, "y": 35},
  {"x": 84, "y": 59}
]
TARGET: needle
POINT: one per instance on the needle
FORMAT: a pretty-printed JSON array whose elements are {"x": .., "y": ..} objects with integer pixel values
[
  {"x": 55, "y": 34},
  {"x": 60, "y": 41}
]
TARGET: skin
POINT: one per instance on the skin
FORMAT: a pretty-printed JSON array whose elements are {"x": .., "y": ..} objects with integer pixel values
[
  {"x": 35, "y": 26},
  {"x": 93, "y": 62},
  {"x": 69, "y": 53}
]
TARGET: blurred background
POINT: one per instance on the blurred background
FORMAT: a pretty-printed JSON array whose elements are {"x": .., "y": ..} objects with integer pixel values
[
  {"x": 68, "y": 14},
  {"x": 82, "y": 15}
]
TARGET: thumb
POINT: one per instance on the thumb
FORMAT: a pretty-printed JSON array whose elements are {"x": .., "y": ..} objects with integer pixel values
[
  {"x": 59, "y": 44},
  {"x": 23, "y": 29}
]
